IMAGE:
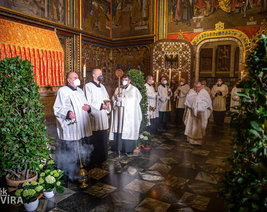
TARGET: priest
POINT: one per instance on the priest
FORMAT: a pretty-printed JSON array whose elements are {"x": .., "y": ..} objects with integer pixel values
[
  {"x": 204, "y": 85},
  {"x": 152, "y": 103},
  {"x": 219, "y": 93},
  {"x": 179, "y": 96},
  {"x": 126, "y": 117},
  {"x": 73, "y": 125},
  {"x": 198, "y": 109},
  {"x": 165, "y": 94},
  {"x": 98, "y": 98}
]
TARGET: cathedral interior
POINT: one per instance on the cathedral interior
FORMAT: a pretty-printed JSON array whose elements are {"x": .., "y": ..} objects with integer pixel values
[{"x": 199, "y": 41}]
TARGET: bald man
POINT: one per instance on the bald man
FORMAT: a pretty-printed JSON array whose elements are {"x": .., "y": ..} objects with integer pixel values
[
  {"x": 73, "y": 125},
  {"x": 98, "y": 98}
]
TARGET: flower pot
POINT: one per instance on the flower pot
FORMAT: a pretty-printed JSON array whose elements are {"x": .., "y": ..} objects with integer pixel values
[
  {"x": 147, "y": 147},
  {"x": 12, "y": 185},
  {"x": 32, "y": 206},
  {"x": 49, "y": 194}
]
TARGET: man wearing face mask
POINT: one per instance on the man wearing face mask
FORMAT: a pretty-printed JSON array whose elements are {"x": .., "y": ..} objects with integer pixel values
[
  {"x": 164, "y": 103},
  {"x": 198, "y": 109},
  {"x": 98, "y": 99},
  {"x": 179, "y": 96},
  {"x": 126, "y": 117},
  {"x": 152, "y": 103},
  {"x": 73, "y": 124},
  {"x": 219, "y": 93}
]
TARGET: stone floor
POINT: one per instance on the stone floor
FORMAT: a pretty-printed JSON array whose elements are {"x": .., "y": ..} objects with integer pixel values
[{"x": 172, "y": 176}]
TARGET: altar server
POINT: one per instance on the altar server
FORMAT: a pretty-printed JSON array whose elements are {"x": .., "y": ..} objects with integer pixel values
[
  {"x": 126, "y": 116},
  {"x": 73, "y": 125},
  {"x": 164, "y": 103},
  {"x": 204, "y": 85},
  {"x": 219, "y": 93},
  {"x": 179, "y": 96},
  {"x": 99, "y": 101}
]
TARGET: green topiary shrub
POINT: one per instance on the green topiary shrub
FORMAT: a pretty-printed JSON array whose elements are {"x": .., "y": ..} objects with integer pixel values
[
  {"x": 244, "y": 186},
  {"x": 137, "y": 79},
  {"x": 24, "y": 141}
]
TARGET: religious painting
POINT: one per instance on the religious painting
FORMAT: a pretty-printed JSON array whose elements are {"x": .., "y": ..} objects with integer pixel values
[
  {"x": 47, "y": 9},
  {"x": 200, "y": 15},
  {"x": 96, "y": 16},
  {"x": 223, "y": 58},
  {"x": 132, "y": 17}
]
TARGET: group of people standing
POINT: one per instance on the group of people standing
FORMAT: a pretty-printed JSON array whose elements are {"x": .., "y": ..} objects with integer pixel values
[
  {"x": 193, "y": 107},
  {"x": 83, "y": 122}
]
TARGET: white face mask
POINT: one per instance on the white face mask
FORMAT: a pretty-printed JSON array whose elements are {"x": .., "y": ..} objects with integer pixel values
[
  {"x": 181, "y": 83},
  {"x": 165, "y": 82},
  {"x": 124, "y": 82},
  {"x": 77, "y": 82},
  {"x": 152, "y": 82},
  {"x": 219, "y": 83}
]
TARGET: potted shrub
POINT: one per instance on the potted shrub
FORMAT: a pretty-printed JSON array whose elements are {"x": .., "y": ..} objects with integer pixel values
[
  {"x": 145, "y": 140},
  {"x": 24, "y": 140},
  {"x": 137, "y": 80},
  {"x": 30, "y": 192},
  {"x": 50, "y": 179}
]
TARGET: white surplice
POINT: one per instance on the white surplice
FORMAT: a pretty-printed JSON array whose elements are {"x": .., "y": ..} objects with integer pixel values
[
  {"x": 219, "y": 102},
  {"x": 95, "y": 97},
  {"x": 234, "y": 99},
  {"x": 130, "y": 114},
  {"x": 71, "y": 100},
  {"x": 164, "y": 104},
  {"x": 180, "y": 94},
  {"x": 198, "y": 109},
  {"x": 152, "y": 102}
]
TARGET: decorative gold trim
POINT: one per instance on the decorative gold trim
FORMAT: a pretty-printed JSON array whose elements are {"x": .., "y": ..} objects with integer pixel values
[{"x": 80, "y": 14}]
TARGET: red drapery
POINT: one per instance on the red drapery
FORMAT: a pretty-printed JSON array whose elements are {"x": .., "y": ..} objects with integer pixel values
[{"x": 41, "y": 47}]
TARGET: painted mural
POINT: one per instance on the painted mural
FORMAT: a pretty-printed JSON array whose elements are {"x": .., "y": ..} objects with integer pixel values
[
  {"x": 47, "y": 9},
  {"x": 199, "y": 15},
  {"x": 131, "y": 17},
  {"x": 96, "y": 16}
]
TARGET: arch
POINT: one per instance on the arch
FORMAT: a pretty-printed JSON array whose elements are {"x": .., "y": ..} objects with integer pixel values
[{"x": 241, "y": 53}]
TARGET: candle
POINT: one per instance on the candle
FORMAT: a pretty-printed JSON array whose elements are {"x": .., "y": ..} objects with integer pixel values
[
  {"x": 170, "y": 76},
  {"x": 84, "y": 71},
  {"x": 242, "y": 75},
  {"x": 179, "y": 76},
  {"x": 157, "y": 76}
]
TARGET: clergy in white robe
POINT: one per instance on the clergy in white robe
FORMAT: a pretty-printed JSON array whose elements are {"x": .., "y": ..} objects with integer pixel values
[
  {"x": 179, "y": 96},
  {"x": 152, "y": 104},
  {"x": 126, "y": 117},
  {"x": 164, "y": 103},
  {"x": 204, "y": 85},
  {"x": 234, "y": 101},
  {"x": 198, "y": 109},
  {"x": 219, "y": 94},
  {"x": 73, "y": 125},
  {"x": 99, "y": 101}
]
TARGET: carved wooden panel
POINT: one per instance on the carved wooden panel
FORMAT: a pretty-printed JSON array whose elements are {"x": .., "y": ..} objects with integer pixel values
[
  {"x": 179, "y": 52},
  {"x": 223, "y": 58},
  {"x": 205, "y": 60}
]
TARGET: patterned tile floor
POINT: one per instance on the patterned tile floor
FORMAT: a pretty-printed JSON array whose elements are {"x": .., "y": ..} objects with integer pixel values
[{"x": 172, "y": 176}]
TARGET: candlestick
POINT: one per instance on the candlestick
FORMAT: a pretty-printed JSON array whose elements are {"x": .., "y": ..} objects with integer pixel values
[
  {"x": 157, "y": 76},
  {"x": 179, "y": 76},
  {"x": 170, "y": 76},
  {"x": 84, "y": 71}
]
